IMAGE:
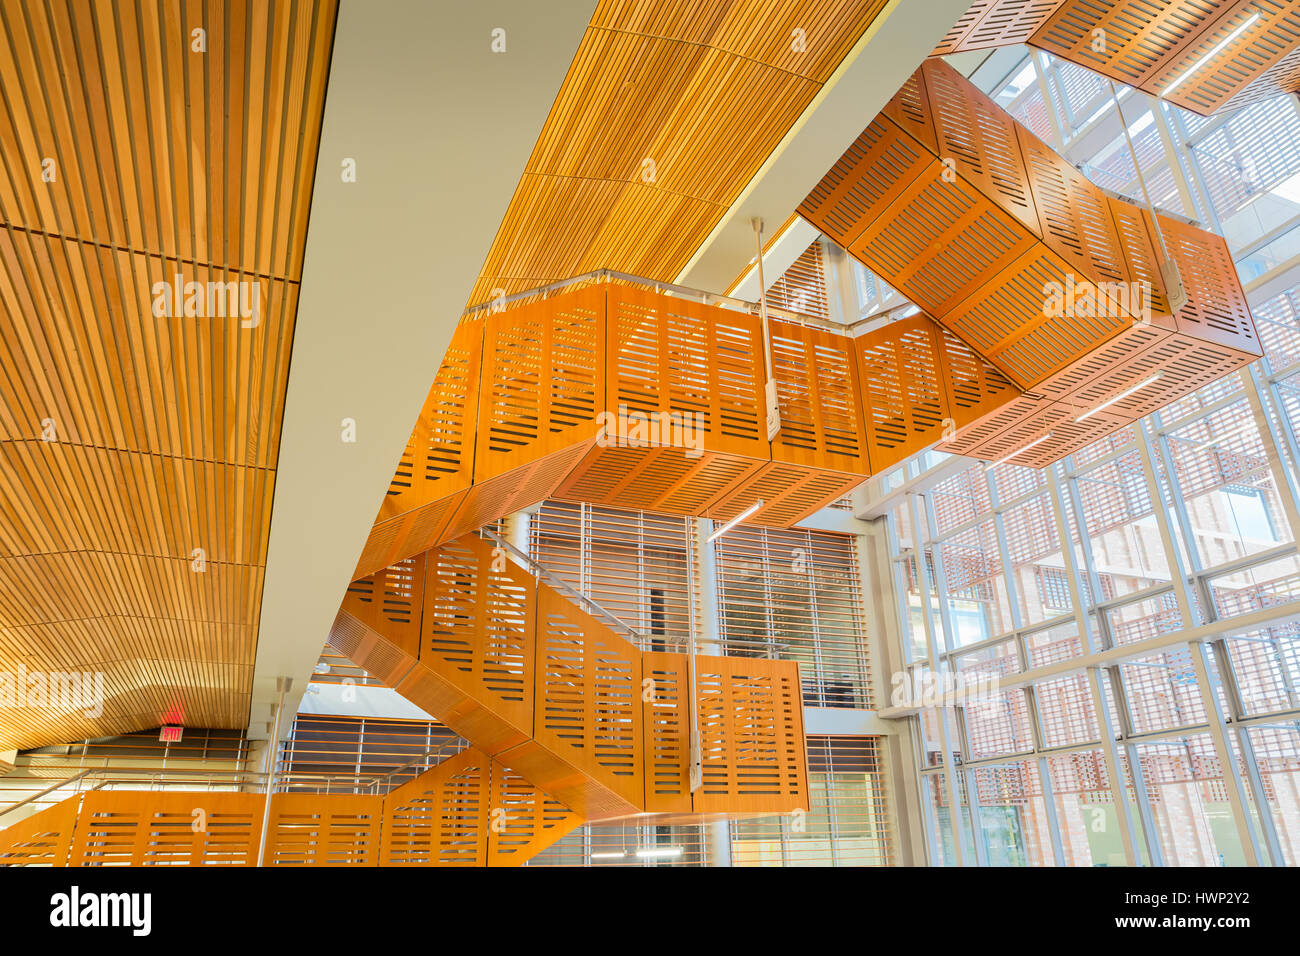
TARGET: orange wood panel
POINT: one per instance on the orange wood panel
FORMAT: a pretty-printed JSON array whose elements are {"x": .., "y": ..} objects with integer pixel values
[
  {"x": 167, "y": 828},
  {"x": 43, "y": 839},
  {"x": 820, "y": 398},
  {"x": 751, "y": 732},
  {"x": 543, "y": 379},
  {"x": 441, "y": 817},
  {"x": 666, "y": 703},
  {"x": 903, "y": 388},
  {"x": 665, "y": 480},
  {"x": 1149, "y": 44},
  {"x": 523, "y": 819},
  {"x": 391, "y": 602},
  {"x": 478, "y": 629},
  {"x": 322, "y": 829},
  {"x": 699, "y": 363},
  {"x": 588, "y": 700},
  {"x": 437, "y": 465},
  {"x": 789, "y": 493}
]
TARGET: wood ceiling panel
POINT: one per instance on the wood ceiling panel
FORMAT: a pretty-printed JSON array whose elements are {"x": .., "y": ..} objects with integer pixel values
[
  {"x": 157, "y": 147},
  {"x": 132, "y": 433},
  {"x": 703, "y": 92},
  {"x": 161, "y": 505},
  {"x": 762, "y": 32},
  {"x": 80, "y": 345}
]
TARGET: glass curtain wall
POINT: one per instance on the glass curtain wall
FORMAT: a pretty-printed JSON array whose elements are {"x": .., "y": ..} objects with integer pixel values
[{"x": 1135, "y": 608}]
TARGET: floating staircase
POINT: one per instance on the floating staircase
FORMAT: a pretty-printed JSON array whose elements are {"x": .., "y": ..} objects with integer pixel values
[{"x": 530, "y": 678}]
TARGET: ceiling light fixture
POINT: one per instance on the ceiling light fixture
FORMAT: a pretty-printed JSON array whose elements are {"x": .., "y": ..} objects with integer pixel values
[
  {"x": 1121, "y": 396},
  {"x": 656, "y": 852},
  {"x": 1019, "y": 451},
  {"x": 609, "y": 856},
  {"x": 1214, "y": 51},
  {"x": 736, "y": 520}
]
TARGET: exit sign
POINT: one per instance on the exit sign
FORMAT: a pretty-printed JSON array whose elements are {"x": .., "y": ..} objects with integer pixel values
[{"x": 170, "y": 735}]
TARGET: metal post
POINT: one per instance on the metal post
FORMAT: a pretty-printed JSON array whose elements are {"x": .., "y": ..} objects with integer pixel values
[
  {"x": 717, "y": 834},
  {"x": 771, "y": 404},
  {"x": 282, "y": 684}
]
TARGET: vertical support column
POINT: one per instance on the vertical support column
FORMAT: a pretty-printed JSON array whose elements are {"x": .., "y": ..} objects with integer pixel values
[
  {"x": 517, "y": 530},
  {"x": 885, "y": 612},
  {"x": 1272, "y": 447},
  {"x": 272, "y": 751},
  {"x": 842, "y": 290},
  {"x": 1233, "y": 783},
  {"x": 717, "y": 835},
  {"x": 1253, "y": 777},
  {"x": 933, "y": 656}
]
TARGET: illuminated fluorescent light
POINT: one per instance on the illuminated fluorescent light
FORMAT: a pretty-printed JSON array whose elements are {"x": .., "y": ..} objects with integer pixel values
[
  {"x": 1018, "y": 451},
  {"x": 656, "y": 852},
  {"x": 1121, "y": 396},
  {"x": 1233, "y": 433},
  {"x": 1214, "y": 51},
  {"x": 736, "y": 520},
  {"x": 609, "y": 856}
]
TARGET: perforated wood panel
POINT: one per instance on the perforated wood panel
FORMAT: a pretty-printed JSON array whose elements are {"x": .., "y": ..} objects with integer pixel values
[
  {"x": 312, "y": 829},
  {"x": 665, "y": 696},
  {"x": 543, "y": 379},
  {"x": 666, "y": 480},
  {"x": 820, "y": 398},
  {"x": 751, "y": 733},
  {"x": 605, "y": 730},
  {"x": 788, "y": 493},
  {"x": 588, "y": 696},
  {"x": 619, "y": 394},
  {"x": 466, "y": 811},
  {"x": 478, "y": 626},
  {"x": 151, "y": 828},
  {"x": 441, "y": 817},
  {"x": 1153, "y": 44},
  {"x": 523, "y": 820},
  {"x": 437, "y": 465},
  {"x": 1036, "y": 270},
  {"x": 391, "y": 601},
  {"x": 43, "y": 839},
  {"x": 701, "y": 364}
]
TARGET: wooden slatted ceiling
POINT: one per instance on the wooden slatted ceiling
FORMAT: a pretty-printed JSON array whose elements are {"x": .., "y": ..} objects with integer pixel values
[
  {"x": 127, "y": 157},
  {"x": 704, "y": 92}
]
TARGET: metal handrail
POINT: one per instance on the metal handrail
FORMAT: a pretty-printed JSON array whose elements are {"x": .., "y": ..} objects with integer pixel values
[
  {"x": 47, "y": 790},
  {"x": 697, "y": 295},
  {"x": 423, "y": 760},
  {"x": 539, "y": 570}
]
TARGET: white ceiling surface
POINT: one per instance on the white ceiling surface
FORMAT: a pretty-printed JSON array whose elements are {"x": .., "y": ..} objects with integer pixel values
[
  {"x": 890, "y": 50},
  {"x": 440, "y": 128}
]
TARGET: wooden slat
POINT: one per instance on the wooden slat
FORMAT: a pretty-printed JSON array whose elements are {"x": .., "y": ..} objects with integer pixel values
[
  {"x": 702, "y": 92},
  {"x": 130, "y": 438}
]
